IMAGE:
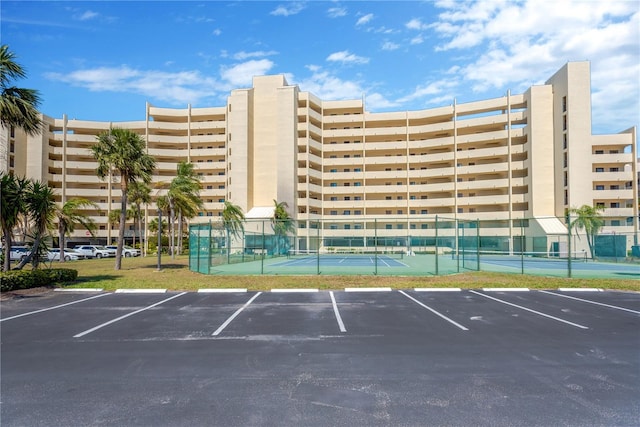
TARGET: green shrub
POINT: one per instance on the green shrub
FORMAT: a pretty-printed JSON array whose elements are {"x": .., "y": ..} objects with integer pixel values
[{"x": 25, "y": 279}]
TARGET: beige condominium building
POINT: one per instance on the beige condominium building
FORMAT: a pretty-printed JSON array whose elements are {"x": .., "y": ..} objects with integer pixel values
[{"x": 521, "y": 156}]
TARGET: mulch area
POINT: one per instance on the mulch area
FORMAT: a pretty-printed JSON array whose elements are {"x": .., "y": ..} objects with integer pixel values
[{"x": 24, "y": 293}]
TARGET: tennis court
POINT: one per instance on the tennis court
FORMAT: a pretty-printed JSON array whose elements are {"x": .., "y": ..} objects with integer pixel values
[{"x": 346, "y": 260}]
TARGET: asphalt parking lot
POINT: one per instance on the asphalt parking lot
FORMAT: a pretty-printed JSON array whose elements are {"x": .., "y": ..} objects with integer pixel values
[{"x": 401, "y": 358}]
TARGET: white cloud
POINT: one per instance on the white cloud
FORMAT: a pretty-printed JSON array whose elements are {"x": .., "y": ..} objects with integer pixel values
[
  {"x": 346, "y": 57},
  {"x": 241, "y": 56},
  {"x": 88, "y": 15},
  {"x": 390, "y": 46},
  {"x": 216, "y": 32},
  {"x": 290, "y": 9},
  {"x": 364, "y": 19},
  {"x": 174, "y": 88},
  {"x": 241, "y": 75},
  {"x": 416, "y": 24},
  {"x": 337, "y": 12},
  {"x": 328, "y": 86},
  {"x": 417, "y": 40},
  {"x": 516, "y": 44}
]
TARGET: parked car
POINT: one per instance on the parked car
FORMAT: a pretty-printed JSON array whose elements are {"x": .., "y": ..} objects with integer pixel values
[
  {"x": 18, "y": 253},
  {"x": 94, "y": 251},
  {"x": 127, "y": 251},
  {"x": 69, "y": 255}
]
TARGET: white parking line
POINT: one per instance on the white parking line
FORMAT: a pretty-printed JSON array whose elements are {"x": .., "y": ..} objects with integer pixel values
[
  {"x": 337, "y": 313},
  {"x": 88, "y": 331},
  {"x": 530, "y": 310},
  {"x": 52, "y": 308},
  {"x": 282, "y": 291},
  {"x": 367, "y": 289},
  {"x": 233, "y": 316},
  {"x": 592, "y": 302},
  {"x": 434, "y": 311},
  {"x": 141, "y": 291},
  {"x": 221, "y": 291},
  {"x": 505, "y": 289},
  {"x": 580, "y": 290},
  {"x": 437, "y": 289},
  {"x": 77, "y": 290}
]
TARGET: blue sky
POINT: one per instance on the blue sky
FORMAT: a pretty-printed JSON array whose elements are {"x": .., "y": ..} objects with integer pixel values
[{"x": 101, "y": 60}]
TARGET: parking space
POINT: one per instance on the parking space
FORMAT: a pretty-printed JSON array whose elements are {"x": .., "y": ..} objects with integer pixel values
[{"x": 363, "y": 357}]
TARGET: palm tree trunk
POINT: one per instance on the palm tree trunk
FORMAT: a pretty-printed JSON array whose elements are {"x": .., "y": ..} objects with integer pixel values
[
  {"x": 7, "y": 250},
  {"x": 172, "y": 228},
  {"x": 123, "y": 219},
  {"x": 61, "y": 232},
  {"x": 34, "y": 251},
  {"x": 180, "y": 225},
  {"x": 142, "y": 247}
]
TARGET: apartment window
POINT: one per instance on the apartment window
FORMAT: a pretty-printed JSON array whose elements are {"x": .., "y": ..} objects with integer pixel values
[
  {"x": 333, "y": 213},
  {"x": 347, "y": 226},
  {"x": 334, "y": 199},
  {"x": 399, "y": 197},
  {"x": 615, "y": 223},
  {"x": 566, "y": 179},
  {"x": 398, "y": 183},
  {"x": 599, "y": 187},
  {"x": 564, "y": 104},
  {"x": 424, "y": 226},
  {"x": 564, "y": 159},
  {"x": 599, "y": 151},
  {"x": 357, "y": 170},
  {"x": 399, "y": 226},
  {"x": 399, "y": 211},
  {"x": 347, "y": 184},
  {"x": 388, "y": 226},
  {"x": 614, "y": 187},
  {"x": 412, "y": 226},
  {"x": 209, "y": 213},
  {"x": 347, "y": 197},
  {"x": 564, "y": 141},
  {"x": 387, "y": 198},
  {"x": 209, "y": 187},
  {"x": 615, "y": 205},
  {"x": 347, "y": 170},
  {"x": 333, "y": 226},
  {"x": 613, "y": 151},
  {"x": 423, "y": 197},
  {"x": 412, "y": 197},
  {"x": 220, "y": 200},
  {"x": 564, "y": 122},
  {"x": 613, "y": 169},
  {"x": 333, "y": 170},
  {"x": 357, "y": 198},
  {"x": 599, "y": 169},
  {"x": 600, "y": 205},
  {"x": 387, "y": 212},
  {"x": 346, "y": 212},
  {"x": 334, "y": 184},
  {"x": 460, "y": 210},
  {"x": 357, "y": 226},
  {"x": 357, "y": 184},
  {"x": 357, "y": 212},
  {"x": 387, "y": 169},
  {"x": 12, "y": 147},
  {"x": 566, "y": 197},
  {"x": 424, "y": 211}
]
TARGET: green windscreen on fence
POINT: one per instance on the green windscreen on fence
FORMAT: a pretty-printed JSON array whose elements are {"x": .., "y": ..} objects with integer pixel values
[{"x": 415, "y": 246}]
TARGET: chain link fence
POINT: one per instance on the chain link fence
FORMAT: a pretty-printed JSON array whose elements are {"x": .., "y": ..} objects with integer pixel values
[{"x": 433, "y": 245}]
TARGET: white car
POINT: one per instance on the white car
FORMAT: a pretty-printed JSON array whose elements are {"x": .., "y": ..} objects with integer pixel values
[
  {"x": 127, "y": 251},
  {"x": 69, "y": 255},
  {"x": 18, "y": 253},
  {"x": 94, "y": 251}
]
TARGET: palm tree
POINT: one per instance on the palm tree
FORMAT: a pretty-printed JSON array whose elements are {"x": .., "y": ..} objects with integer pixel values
[
  {"x": 139, "y": 194},
  {"x": 69, "y": 214},
  {"x": 181, "y": 200},
  {"x": 18, "y": 106},
  {"x": 233, "y": 219},
  {"x": 282, "y": 224},
  {"x": 124, "y": 151},
  {"x": 12, "y": 194},
  {"x": 41, "y": 207},
  {"x": 590, "y": 219}
]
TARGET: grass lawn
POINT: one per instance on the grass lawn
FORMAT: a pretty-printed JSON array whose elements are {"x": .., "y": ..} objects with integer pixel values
[{"x": 175, "y": 276}]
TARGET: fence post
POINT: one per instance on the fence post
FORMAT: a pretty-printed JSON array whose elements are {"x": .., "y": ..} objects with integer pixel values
[
  {"x": 209, "y": 248},
  {"x": 375, "y": 246},
  {"x": 569, "y": 249},
  {"x": 318, "y": 249},
  {"x": 522, "y": 245},
  {"x": 436, "y": 253},
  {"x": 478, "y": 242},
  {"x": 262, "y": 251}
]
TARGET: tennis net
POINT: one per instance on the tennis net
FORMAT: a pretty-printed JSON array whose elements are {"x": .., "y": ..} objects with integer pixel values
[{"x": 343, "y": 254}]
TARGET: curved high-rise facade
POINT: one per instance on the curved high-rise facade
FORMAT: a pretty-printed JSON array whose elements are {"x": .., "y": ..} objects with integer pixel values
[{"x": 521, "y": 156}]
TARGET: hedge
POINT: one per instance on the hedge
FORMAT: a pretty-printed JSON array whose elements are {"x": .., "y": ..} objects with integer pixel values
[{"x": 25, "y": 279}]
